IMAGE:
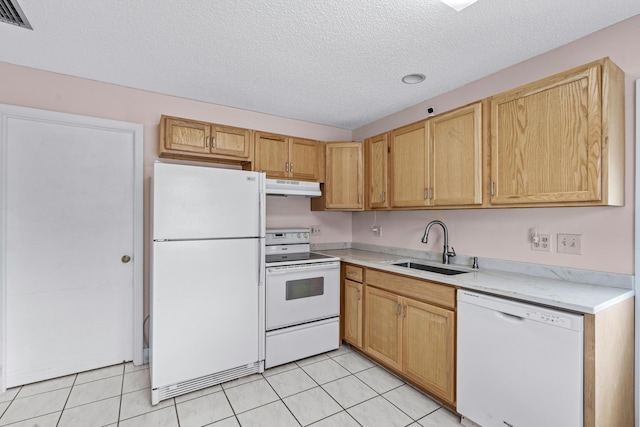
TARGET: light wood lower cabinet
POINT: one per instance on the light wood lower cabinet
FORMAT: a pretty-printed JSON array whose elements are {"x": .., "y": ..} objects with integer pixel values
[
  {"x": 410, "y": 336},
  {"x": 353, "y": 298},
  {"x": 383, "y": 327}
]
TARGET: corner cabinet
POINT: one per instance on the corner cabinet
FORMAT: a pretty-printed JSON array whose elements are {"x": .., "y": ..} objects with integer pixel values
[
  {"x": 192, "y": 139},
  {"x": 560, "y": 141},
  {"x": 287, "y": 157},
  {"x": 438, "y": 162},
  {"x": 410, "y": 327},
  {"x": 344, "y": 178}
]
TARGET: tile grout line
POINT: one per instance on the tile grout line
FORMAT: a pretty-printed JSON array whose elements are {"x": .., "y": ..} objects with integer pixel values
[
  {"x": 124, "y": 368},
  {"x": 283, "y": 402},
  {"x": 67, "y": 399}
]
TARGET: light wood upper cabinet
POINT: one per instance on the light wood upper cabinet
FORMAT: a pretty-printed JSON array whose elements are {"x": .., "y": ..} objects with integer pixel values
[
  {"x": 185, "y": 135},
  {"x": 303, "y": 159},
  {"x": 408, "y": 163},
  {"x": 376, "y": 173},
  {"x": 281, "y": 156},
  {"x": 344, "y": 181},
  {"x": 272, "y": 154},
  {"x": 185, "y": 138},
  {"x": 231, "y": 141},
  {"x": 455, "y": 142},
  {"x": 560, "y": 140},
  {"x": 438, "y": 162}
]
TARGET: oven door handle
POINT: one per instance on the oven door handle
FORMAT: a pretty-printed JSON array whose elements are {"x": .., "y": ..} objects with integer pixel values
[{"x": 271, "y": 271}]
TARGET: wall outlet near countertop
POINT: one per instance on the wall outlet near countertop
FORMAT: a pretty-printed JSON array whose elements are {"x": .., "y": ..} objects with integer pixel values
[
  {"x": 376, "y": 230},
  {"x": 570, "y": 244},
  {"x": 543, "y": 244},
  {"x": 315, "y": 230}
]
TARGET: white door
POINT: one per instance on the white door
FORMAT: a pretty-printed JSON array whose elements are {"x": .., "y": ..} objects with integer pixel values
[{"x": 70, "y": 207}]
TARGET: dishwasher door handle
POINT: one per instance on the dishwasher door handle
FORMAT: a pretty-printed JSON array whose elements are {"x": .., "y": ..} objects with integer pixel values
[{"x": 509, "y": 317}]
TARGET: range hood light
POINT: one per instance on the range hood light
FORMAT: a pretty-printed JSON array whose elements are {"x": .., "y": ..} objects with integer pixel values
[
  {"x": 283, "y": 187},
  {"x": 458, "y": 5}
]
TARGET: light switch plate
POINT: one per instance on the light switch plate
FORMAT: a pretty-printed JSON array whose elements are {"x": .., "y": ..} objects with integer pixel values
[{"x": 570, "y": 244}]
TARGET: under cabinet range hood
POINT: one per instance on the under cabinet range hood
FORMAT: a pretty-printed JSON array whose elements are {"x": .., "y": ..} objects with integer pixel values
[{"x": 283, "y": 187}]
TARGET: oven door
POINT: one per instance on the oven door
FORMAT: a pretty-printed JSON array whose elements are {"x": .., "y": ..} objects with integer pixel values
[{"x": 302, "y": 293}]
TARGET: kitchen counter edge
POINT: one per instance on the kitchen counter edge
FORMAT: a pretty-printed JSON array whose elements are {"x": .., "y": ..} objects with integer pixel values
[{"x": 560, "y": 294}]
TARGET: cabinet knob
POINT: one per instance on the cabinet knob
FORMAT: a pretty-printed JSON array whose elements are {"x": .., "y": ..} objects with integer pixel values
[{"x": 125, "y": 259}]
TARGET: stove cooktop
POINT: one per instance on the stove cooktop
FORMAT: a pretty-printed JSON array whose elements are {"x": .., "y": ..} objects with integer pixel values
[{"x": 297, "y": 257}]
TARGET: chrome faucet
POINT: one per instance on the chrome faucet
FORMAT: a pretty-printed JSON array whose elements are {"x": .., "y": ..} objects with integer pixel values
[{"x": 446, "y": 254}]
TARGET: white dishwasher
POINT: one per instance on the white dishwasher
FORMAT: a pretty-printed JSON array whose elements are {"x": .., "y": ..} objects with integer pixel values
[{"x": 519, "y": 365}]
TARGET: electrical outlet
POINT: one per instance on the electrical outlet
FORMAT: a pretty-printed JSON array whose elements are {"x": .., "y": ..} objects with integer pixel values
[
  {"x": 570, "y": 244},
  {"x": 377, "y": 231},
  {"x": 315, "y": 230},
  {"x": 543, "y": 244}
]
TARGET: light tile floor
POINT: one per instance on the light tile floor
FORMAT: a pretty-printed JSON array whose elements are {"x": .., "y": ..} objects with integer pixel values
[{"x": 336, "y": 389}]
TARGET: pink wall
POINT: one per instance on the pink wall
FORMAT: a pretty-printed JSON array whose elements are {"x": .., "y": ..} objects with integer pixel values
[
  {"x": 40, "y": 89},
  {"x": 607, "y": 232}
]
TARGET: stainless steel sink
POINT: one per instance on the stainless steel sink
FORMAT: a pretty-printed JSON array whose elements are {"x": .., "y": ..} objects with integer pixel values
[{"x": 431, "y": 268}]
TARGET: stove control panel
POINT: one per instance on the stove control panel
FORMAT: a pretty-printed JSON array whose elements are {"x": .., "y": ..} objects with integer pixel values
[{"x": 288, "y": 236}]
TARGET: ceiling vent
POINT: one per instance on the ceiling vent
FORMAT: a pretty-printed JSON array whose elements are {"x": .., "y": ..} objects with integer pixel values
[{"x": 10, "y": 12}]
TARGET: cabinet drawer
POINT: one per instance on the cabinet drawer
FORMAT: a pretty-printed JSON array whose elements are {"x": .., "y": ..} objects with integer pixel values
[
  {"x": 353, "y": 272},
  {"x": 423, "y": 290}
]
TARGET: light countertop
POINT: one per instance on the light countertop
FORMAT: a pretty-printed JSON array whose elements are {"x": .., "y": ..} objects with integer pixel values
[{"x": 580, "y": 297}]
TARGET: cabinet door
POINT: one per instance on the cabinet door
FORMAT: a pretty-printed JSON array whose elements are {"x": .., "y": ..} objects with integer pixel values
[
  {"x": 428, "y": 347},
  {"x": 187, "y": 135},
  {"x": 409, "y": 166},
  {"x": 376, "y": 161},
  {"x": 272, "y": 155},
  {"x": 383, "y": 326},
  {"x": 303, "y": 159},
  {"x": 455, "y": 142},
  {"x": 344, "y": 181},
  {"x": 546, "y": 140},
  {"x": 231, "y": 141},
  {"x": 353, "y": 313}
]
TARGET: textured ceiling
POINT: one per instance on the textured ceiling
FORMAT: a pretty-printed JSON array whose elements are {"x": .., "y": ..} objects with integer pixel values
[{"x": 333, "y": 62}]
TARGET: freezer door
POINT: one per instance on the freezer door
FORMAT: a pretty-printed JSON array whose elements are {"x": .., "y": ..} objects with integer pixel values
[
  {"x": 207, "y": 311},
  {"x": 193, "y": 202}
]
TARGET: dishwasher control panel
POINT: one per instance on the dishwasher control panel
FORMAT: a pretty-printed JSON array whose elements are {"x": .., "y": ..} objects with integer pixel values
[
  {"x": 548, "y": 317},
  {"x": 521, "y": 310}
]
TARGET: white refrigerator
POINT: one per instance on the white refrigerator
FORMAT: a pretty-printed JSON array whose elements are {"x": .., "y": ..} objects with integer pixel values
[{"x": 207, "y": 277}]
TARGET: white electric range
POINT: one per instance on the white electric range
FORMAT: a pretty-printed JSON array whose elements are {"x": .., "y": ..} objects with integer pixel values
[{"x": 302, "y": 298}]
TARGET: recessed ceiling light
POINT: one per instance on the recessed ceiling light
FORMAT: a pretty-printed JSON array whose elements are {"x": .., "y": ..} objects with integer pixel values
[
  {"x": 458, "y": 5},
  {"x": 412, "y": 79}
]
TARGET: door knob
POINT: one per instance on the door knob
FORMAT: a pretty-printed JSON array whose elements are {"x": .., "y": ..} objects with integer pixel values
[{"x": 125, "y": 258}]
